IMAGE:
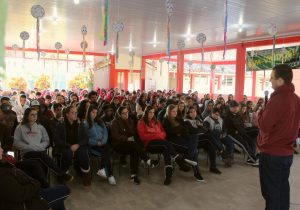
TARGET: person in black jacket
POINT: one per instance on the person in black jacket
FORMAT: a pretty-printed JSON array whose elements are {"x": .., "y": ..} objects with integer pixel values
[
  {"x": 182, "y": 141},
  {"x": 71, "y": 140},
  {"x": 235, "y": 129},
  {"x": 19, "y": 191}
]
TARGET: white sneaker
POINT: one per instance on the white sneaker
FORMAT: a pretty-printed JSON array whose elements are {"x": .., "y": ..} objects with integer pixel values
[
  {"x": 112, "y": 180},
  {"x": 190, "y": 162},
  {"x": 102, "y": 173}
]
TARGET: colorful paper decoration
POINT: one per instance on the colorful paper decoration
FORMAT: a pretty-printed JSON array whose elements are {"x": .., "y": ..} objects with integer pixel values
[
  {"x": 190, "y": 63},
  {"x": 201, "y": 38},
  {"x": 169, "y": 8},
  {"x": 3, "y": 13},
  {"x": 225, "y": 27},
  {"x": 37, "y": 11},
  {"x": 118, "y": 27},
  {"x": 104, "y": 31},
  {"x": 58, "y": 46},
  {"x": 24, "y": 35}
]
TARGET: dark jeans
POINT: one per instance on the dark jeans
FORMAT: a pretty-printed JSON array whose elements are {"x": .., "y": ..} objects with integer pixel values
[
  {"x": 207, "y": 145},
  {"x": 34, "y": 169},
  {"x": 187, "y": 145},
  {"x": 44, "y": 159},
  {"x": 135, "y": 150},
  {"x": 164, "y": 147},
  {"x": 81, "y": 154},
  {"x": 55, "y": 196},
  {"x": 103, "y": 152},
  {"x": 247, "y": 143},
  {"x": 274, "y": 172}
]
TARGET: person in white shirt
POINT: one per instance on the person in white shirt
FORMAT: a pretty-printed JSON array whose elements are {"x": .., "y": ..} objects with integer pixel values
[{"x": 20, "y": 108}]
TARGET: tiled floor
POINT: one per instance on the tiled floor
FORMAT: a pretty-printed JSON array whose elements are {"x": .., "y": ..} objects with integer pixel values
[{"x": 237, "y": 188}]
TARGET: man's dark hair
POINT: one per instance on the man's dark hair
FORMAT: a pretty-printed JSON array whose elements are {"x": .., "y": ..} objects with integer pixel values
[
  {"x": 48, "y": 97},
  {"x": 56, "y": 105},
  {"x": 284, "y": 72},
  {"x": 4, "y": 99},
  {"x": 215, "y": 110},
  {"x": 22, "y": 96},
  {"x": 38, "y": 93},
  {"x": 92, "y": 93}
]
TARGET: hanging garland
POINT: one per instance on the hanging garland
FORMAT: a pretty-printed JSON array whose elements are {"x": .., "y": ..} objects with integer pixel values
[
  {"x": 37, "y": 11},
  {"x": 83, "y": 44},
  {"x": 15, "y": 47},
  {"x": 67, "y": 51},
  {"x": 169, "y": 8},
  {"x": 201, "y": 38},
  {"x": 161, "y": 60},
  {"x": 225, "y": 27},
  {"x": 273, "y": 31},
  {"x": 118, "y": 27},
  {"x": 58, "y": 46},
  {"x": 104, "y": 31},
  {"x": 24, "y": 35}
]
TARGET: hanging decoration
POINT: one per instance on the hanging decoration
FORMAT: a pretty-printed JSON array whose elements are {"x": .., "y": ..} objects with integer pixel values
[
  {"x": 58, "y": 46},
  {"x": 118, "y": 27},
  {"x": 225, "y": 27},
  {"x": 161, "y": 61},
  {"x": 24, "y": 35},
  {"x": 43, "y": 55},
  {"x": 3, "y": 13},
  {"x": 15, "y": 47},
  {"x": 37, "y": 11},
  {"x": 131, "y": 53},
  {"x": 169, "y": 8},
  {"x": 104, "y": 31},
  {"x": 83, "y": 44},
  {"x": 67, "y": 51},
  {"x": 201, "y": 38},
  {"x": 283, "y": 52},
  {"x": 190, "y": 63},
  {"x": 272, "y": 29}
]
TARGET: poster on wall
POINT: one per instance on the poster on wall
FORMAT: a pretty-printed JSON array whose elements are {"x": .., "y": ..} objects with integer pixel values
[{"x": 262, "y": 59}]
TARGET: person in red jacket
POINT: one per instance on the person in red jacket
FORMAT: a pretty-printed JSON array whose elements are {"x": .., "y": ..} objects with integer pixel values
[
  {"x": 153, "y": 135},
  {"x": 278, "y": 128}
]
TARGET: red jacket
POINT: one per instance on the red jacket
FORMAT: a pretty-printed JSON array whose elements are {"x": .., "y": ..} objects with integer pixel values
[
  {"x": 149, "y": 133},
  {"x": 279, "y": 121}
]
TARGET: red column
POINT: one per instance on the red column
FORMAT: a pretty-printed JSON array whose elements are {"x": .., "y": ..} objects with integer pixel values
[
  {"x": 143, "y": 74},
  {"x": 180, "y": 72},
  {"x": 113, "y": 77},
  {"x": 219, "y": 82},
  {"x": 240, "y": 71},
  {"x": 192, "y": 82},
  {"x": 126, "y": 79},
  {"x": 253, "y": 85}
]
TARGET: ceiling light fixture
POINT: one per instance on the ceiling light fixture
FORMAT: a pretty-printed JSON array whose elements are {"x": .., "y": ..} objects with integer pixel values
[
  {"x": 76, "y": 1},
  {"x": 154, "y": 45},
  {"x": 240, "y": 29}
]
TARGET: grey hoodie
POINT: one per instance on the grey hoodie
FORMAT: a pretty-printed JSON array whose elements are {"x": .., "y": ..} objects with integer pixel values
[{"x": 34, "y": 138}]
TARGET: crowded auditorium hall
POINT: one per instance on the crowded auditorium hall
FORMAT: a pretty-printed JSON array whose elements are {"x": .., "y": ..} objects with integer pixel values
[{"x": 149, "y": 104}]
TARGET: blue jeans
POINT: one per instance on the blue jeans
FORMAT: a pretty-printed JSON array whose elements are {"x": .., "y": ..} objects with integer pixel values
[{"x": 274, "y": 172}]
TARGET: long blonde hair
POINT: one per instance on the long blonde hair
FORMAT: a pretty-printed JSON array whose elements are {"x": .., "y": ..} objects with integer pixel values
[{"x": 172, "y": 120}]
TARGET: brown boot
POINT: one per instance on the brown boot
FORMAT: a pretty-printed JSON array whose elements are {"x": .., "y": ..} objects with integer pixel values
[{"x": 87, "y": 178}]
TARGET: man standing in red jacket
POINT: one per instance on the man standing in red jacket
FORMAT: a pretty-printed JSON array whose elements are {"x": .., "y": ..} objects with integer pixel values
[{"x": 278, "y": 127}]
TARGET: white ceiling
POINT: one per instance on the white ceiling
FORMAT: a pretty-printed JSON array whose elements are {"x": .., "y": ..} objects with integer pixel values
[{"x": 143, "y": 17}]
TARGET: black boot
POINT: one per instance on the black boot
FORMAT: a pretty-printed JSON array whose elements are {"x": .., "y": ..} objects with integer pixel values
[
  {"x": 181, "y": 163},
  {"x": 169, "y": 173}
]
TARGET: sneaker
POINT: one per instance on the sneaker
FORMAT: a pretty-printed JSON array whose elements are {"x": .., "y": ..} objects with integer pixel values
[
  {"x": 199, "y": 178},
  {"x": 86, "y": 178},
  {"x": 252, "y": 163},
  {"x": 135, "y": 180},
  {"x": 112, "y": 180},
  {"x": 67, "y": 177},
  {"x": 152, "y": 163},
  {"x": 102, "y": 173},
  {"x": 215, "y": 170},
  {"x": 190, "y": 162}
]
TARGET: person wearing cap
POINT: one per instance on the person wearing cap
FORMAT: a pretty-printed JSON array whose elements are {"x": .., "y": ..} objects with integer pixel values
[
  {"x": 236, "y": 131},
  {"x": 278, "y": 124}
]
